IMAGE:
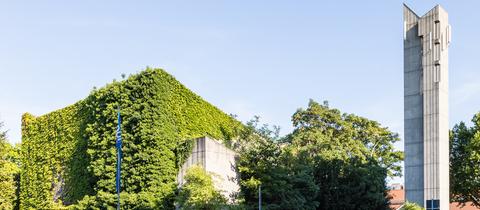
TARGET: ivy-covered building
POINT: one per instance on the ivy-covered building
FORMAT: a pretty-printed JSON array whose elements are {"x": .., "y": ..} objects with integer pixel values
[{"x": 68, "y": 155}]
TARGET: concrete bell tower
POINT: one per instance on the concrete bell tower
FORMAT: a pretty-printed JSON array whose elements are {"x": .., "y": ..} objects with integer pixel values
[{"x": 426, "y": 40}]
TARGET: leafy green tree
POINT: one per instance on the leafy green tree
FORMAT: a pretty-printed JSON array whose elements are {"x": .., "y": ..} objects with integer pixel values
[
  {"x": 465, "y": 162},
  {"x": 350, "y": 184},
  {"x": 198, "y": 192},
  {"x": 351, "y": 156},
  {"x": 325, "y": 131},
  {"x": 287, "y": 183},
  {"x": 330, "y": 161},
  {"x": 9, "y": 173}
]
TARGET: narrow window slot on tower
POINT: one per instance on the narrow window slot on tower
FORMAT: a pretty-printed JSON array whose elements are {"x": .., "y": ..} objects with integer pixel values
[
  {"x": 449, "y": 35},
  {"x": 436, "y": 74},
  {"x": 430, "y": 40}
]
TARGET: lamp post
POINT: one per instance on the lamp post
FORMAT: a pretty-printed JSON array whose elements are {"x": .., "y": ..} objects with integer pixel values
[{"x": 260, "y": 197}]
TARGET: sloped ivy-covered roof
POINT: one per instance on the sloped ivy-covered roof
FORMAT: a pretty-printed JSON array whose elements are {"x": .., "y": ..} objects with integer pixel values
[{"x": 69, "y": 157}]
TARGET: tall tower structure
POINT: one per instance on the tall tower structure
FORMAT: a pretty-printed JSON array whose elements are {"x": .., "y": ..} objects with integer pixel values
[{"x": 426, "y": 41}]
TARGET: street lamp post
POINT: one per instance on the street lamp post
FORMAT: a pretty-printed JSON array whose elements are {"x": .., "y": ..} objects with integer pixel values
[{"x": 260, "y": 197}]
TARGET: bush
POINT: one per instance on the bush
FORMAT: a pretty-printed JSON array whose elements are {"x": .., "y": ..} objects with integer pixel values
[
  {"x": 199, "y": 192},
  {"x": 9, "y": 173},
  {"x": 411, "y": 206}
]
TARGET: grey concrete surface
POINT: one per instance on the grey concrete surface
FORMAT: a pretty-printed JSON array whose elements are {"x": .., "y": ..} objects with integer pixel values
[
  {"x": 426, "y": 41},
  {"x": 216, "y": 159}
]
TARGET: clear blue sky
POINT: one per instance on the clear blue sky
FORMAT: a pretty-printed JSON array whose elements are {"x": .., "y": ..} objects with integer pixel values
[{"x": 264, "y": 58}]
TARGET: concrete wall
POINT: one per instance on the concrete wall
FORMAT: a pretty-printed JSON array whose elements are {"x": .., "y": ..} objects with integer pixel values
[
  {"x": 413, "y": 108},
  {"x": 217, "y": 159},
  {"x": 426, "y": 106}
]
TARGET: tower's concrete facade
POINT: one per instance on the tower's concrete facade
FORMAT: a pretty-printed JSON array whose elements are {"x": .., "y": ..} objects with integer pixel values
[{"x": 426, "y": 41}]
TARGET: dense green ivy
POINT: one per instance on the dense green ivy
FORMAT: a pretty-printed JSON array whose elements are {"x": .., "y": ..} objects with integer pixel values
[
  {"x": 53, "y": 164},
  {"x": 68, "y": 156},
  {"x": 9, "y": 172}
]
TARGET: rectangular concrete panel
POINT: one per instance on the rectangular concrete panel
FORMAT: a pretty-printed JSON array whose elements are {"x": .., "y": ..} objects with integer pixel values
[
  {"x": 426, "y": 41},
  {"x": 216, "y": 159}
]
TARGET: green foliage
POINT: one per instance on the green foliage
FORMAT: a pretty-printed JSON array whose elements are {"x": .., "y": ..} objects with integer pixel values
[
  {"x": 350, "y": 184},
  {"x": 411, "y": 206},
  {"x": 199, "y": 191},
  {"x": 69, "y": 155},
  {"x": 330, "y": 161},
  {"x": 350, "y": 156},
  {"x": 53, "y": 159},
  {"x": 103, "y": 200},
  {"x": 465, "y": 162},
  {"x": 9, "y": 173},
  {"x": 325, "y": 131},
  {"x": 287, "y": 183}
]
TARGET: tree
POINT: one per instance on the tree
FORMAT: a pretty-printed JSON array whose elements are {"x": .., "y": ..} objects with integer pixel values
[
  {"x": 199, "y": 192},
  {"x": 286, "y": 181},
  {"x": 330, "y": 161},
  {"x": 351, "y": 156},
  {"x": 465, "y": 162},
  {"x": 350, "y": 184},
  {"x": 9, "y": 173},
  {"x": 320, "y": 129}
]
